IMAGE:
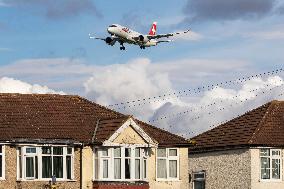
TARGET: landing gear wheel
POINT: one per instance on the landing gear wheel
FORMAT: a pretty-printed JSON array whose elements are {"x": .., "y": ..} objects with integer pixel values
[
  {"x": 142, "y": 47},
  {"x": 122, "y": 48}
]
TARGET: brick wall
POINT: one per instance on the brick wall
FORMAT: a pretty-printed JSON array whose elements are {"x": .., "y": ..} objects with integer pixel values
[{"x": 120, "y": 185}]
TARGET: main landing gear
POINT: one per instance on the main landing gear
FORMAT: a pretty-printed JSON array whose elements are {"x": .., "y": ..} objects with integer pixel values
[
  {"x": 142, "y": 47},
  {"x": 122, "y": 46}
]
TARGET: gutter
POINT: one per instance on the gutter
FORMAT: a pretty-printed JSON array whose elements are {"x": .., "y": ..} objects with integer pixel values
[{"x": 42, "y": 141}]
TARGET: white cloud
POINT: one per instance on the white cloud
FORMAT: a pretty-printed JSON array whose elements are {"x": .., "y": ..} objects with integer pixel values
[
  {"x": 58, "y": 73},
  {"x": 140, "y": 78},
  {"x": 11, "y": 85},
  {"x": 134, "y": 80},
  {"x": 201, "y": 114}
]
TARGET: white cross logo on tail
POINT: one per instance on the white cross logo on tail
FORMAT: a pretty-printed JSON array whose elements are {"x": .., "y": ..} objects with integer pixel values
[{"x": 153, "y": 30}]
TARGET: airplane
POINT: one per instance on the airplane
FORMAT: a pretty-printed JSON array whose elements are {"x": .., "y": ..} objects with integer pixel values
[{"x": 122, "y": 34}]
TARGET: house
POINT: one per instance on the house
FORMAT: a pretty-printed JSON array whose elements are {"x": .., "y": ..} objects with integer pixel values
[
  {"x": 246, "y": 152},
  {"x": 81, "y": 144}
]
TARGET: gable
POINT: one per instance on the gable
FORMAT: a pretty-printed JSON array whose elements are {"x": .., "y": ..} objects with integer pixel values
[
  {"x": 129, "y": 136},
  {"x": 130, "y": 133}
]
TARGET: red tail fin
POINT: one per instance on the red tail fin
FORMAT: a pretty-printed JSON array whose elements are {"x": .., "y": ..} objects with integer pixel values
[{"x": 153, "y": 29}]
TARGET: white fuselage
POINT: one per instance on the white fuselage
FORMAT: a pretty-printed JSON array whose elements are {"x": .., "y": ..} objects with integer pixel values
[{"x": 127, "y": 35}]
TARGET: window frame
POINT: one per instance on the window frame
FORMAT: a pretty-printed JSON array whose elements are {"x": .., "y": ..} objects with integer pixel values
[
  {"x": 29, "y": 155},
  {"x": 98, "y": 170},
  {"x": 2, "y": 146},
  {"x": 198, "y": 179},
  {"x": 168, "y": 158},
  {"x": 271, "y": 157},
  {"x": 21, "y": 161}
]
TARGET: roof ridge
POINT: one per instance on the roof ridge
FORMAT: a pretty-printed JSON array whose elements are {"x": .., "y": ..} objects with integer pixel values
[{"x": 261, "y": 122}]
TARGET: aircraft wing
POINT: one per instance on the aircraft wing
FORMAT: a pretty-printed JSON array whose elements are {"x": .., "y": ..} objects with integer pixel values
[
  {"x": 164, "y": 41},
  {"x": 94, "y": 37},
  {"x": 109, "y": 40},
  {"x": 166, "y": 35}
]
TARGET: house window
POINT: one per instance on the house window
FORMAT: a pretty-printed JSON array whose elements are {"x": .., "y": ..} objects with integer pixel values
[
  {"x": 43, "y": 162},
  {"x": 199, "y": 180},
  {"x": 120, "y": 163},
  {"x": 31, "y": 160},
  {"x": 270, "y": 160},
  {"x": 2, "y": 162},
  {"x": 167, "y": 163}
]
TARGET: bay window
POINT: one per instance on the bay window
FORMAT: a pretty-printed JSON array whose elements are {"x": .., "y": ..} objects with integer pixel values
[
  {"x": 270, "y": 164},
  {"x": 2, "y": 162},
  {"x": 167, "y": 163},
  {"x": 120, "y": 163},
  {"x": 43, "y": 162}
]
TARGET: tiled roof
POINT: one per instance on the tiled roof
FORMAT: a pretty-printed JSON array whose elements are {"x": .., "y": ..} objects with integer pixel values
[
  {"x": 164, "y": 138},
  {"x": 263, "y": 126},
  {"x": 64, "y": 117}
]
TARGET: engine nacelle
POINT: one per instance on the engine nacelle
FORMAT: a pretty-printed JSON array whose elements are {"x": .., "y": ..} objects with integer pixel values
[
  {"x": 142, "y": 38},
  {"x": 109, "y": 40}
]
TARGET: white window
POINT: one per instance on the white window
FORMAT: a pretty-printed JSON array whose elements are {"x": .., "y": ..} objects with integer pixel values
[
  {"x": 199, "y": 180},
  {"x": 120, "y": 163},
  {"x": 167, "y": 163},
  {"x": 31, "y": 162},
  {"x": 270, "y": 160},
  {"x": 44, "y": 162},
  {"x": 2, "y": 162}
]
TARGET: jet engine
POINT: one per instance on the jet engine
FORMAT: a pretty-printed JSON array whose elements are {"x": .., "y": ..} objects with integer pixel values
[
  {"x": 109, "y": 40},
  {"x": 141, "y": 38}
]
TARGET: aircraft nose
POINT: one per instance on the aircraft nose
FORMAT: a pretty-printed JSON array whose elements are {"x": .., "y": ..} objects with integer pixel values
[{"x": 108, "y": 29}]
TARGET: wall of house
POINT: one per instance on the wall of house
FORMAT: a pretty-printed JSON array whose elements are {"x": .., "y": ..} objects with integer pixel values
[
  {"x": 183, "y": 180},
  {"x": 87, "y": 167},
  {"x": 11, "y": 182},
  {"x": 256, "y": 183},
  {"x": 224, "y": 169}
]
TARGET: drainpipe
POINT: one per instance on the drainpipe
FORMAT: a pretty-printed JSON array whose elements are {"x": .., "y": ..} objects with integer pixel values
[{"x": 81, "y": 166}]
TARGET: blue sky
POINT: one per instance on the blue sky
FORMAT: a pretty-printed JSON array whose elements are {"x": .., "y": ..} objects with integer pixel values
[
  {"x": 27, "y": 31},
  {"x": 44, "y": 47}
]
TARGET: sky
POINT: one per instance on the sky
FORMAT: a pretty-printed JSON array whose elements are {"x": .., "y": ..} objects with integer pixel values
[{"x": 45, "y": 48}]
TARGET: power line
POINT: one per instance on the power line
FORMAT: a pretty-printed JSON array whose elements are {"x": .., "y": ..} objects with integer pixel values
[
  {"x": 186, "y": 93},
  {"x": 204, "y": 106},
  {"x": 225, "y": 121}
]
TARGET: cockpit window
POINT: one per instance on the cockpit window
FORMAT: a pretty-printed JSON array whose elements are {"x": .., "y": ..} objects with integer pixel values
[{"x": 113, "y": 26}]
